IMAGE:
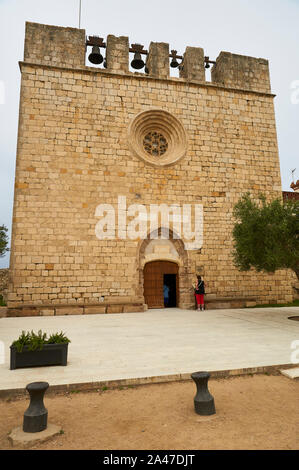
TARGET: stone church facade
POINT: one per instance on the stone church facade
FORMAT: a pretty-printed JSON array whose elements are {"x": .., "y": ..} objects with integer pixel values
[{"x": 94, "y": 138}]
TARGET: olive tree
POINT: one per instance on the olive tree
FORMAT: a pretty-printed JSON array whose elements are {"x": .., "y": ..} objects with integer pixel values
[
  {"x": 3, "y": 240},
  {"x": 266, "y": 234}
]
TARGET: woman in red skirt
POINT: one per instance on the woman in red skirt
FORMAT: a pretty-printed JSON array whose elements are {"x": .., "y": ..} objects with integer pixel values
[{"x": 199, "y": 293}]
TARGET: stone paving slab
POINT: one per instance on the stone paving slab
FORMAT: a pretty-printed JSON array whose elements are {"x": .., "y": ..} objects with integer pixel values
[{"x": 156, "y": 343}]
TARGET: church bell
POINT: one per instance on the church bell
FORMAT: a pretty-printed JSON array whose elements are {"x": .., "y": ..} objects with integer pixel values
[
  {"x": 95, "y": 57},
  {"x": 137, "y": 62},
  {"x": 174, "y": 63}
]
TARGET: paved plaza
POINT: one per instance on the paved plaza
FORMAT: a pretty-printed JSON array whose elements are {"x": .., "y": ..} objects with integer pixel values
[{"x": 155, "y": 343}]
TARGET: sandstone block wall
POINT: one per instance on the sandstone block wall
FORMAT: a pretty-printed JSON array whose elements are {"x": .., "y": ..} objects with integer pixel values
[{"x": 74, "y": 154}]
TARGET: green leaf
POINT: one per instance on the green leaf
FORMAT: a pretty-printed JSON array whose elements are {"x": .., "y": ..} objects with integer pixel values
[{"x": 36, "y": 341}]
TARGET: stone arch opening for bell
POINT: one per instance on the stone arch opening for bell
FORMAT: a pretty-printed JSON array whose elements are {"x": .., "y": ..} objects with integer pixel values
[{"x": 160, "y": 253}]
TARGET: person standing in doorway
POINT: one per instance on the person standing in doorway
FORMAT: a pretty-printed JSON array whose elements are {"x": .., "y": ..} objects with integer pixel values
[
  {"x": 166, "y": 295},
  {"x": 200, "y": 293}
]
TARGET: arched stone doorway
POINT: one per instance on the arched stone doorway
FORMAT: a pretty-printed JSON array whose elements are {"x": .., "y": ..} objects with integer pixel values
[
  {"x": 170, "y": 249},
  {"x": 158, "y": 274}
]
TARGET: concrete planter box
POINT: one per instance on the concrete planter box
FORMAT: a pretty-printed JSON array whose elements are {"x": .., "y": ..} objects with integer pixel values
[{"x": 49, "y": 355}]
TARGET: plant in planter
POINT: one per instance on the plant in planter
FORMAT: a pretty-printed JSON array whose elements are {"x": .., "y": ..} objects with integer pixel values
[{"x": 31, "y": 350}]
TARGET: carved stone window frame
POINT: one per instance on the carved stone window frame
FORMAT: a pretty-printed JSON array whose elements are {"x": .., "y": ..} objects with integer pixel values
[{"x": 164, "y": 123}]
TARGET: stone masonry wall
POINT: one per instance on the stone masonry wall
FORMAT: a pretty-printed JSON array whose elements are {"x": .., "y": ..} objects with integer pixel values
[
  {"x": 73, "y": 155},
  {"x": 4, "y": 273}
]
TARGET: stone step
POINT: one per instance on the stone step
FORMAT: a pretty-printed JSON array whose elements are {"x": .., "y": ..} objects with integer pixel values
[{"x": 291, "y": 373}]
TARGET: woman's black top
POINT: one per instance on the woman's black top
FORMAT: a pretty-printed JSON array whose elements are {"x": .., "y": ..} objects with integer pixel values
[{"x": 200, "y": 287}]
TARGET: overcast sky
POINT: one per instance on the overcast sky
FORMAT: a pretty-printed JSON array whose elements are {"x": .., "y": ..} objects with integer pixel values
[{"x": 258, "y": 28}]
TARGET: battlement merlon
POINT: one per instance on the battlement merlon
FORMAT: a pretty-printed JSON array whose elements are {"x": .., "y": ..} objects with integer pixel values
[
  {"x": 54, "y": 45},
  {"x": 158, "y": 60},
  {"x": 66, "y": 47},
  {"x": 244, "y": 72},
  {"x": 193, "y": 65}
]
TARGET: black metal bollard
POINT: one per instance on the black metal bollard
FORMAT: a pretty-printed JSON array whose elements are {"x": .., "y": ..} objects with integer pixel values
[
  {"x": 203, "y": 401},
  {"x": 36, "y": 415}
]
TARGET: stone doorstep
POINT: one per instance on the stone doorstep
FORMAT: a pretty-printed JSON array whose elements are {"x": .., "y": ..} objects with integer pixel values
[
  {"x": 45, "y": 312},
  {"x": 115, "y": 307},
  {"x": 291, "y": 373},
  {"x": 224, "y": 305},
  {"x": 69, "y": 310},
  {"x": 133, "y": 308},
  {"x": 229, "y": 302},
  {"x": 116, "y": 383},
  {"x": 21, "y": 312},
  {"x": 3, "y": 312},
  {"x": 122, "y": 301},
  {"x": 18, "y": 437},
  {"x": 57, "y": 310},
  {"x": 229, "y": 299},
  {"x": 94, "y": 309}
]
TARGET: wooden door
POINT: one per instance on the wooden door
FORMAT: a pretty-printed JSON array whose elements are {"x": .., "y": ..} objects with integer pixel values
[{"x": 153, "y": 281}]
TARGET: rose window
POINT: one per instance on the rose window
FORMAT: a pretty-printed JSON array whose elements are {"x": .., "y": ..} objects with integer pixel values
[
  {"x": 155, "y": 144},
  {"x": 157, "y": 137}
]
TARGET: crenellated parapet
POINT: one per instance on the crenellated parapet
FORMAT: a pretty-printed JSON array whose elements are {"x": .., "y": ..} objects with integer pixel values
[{"x": 69, "y": 47}]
